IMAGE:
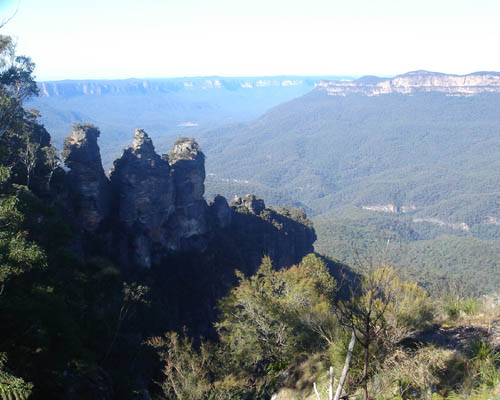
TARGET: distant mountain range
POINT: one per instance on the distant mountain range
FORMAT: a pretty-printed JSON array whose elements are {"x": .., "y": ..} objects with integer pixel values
[
  {"x": 417, "y": 82},
  {"x": 68, "y": 88},
  {"x": 166, "y": 108}
]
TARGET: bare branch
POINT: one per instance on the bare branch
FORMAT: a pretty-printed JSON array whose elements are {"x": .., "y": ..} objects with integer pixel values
[{"x": 5, "y": 21}]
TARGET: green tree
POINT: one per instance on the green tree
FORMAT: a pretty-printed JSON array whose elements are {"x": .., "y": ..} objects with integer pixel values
[
  {"x": 16, "y": 83},
  {"x": 18, "y": 254},
  {"x": 12, "y": 387},
  {"x": 382, "y": 312},
  {"x": 273, "y": 317},
  {"x": 187, "y": 371},
  {"x": 53, "y": 161}
]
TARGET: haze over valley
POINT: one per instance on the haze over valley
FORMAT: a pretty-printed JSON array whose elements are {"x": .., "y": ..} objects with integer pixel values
[{"x": 166, "y": 108}]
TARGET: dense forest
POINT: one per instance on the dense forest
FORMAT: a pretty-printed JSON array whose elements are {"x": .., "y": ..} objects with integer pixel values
[
  {"x": 77, "y": 324},
  {"x": 423, "y": 166}
]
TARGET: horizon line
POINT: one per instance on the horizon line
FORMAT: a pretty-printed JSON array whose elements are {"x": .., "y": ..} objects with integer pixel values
[{"x": 319, "y": 76}]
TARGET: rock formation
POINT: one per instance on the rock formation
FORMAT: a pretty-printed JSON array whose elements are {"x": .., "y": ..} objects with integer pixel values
[
  {"x": 144, "y": 196},
  {"x": 188, "y": 224},
  {"x": 152, "y": 207},
  {"x": 89, "y": 187},
  {"x": 249, "y": 202},
  {"x": 285, "y": 234},
  {"x": 220, "y": 212},
  {"x": 416, "y": 82}
]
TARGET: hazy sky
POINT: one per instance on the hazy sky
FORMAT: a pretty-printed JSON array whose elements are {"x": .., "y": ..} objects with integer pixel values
[{"x": 164, "y": 38}]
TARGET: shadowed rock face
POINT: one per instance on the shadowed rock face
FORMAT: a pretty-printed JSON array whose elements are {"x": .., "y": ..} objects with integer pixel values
[
  {"x": 153, "y": 207},
  {"x": 189, "y": 222},
  {"x": 285, "y": 234},
  {"x": 143, "y": 201},
  {"x": 220, "y": 212},
  {"x": 89, "y": 187}
]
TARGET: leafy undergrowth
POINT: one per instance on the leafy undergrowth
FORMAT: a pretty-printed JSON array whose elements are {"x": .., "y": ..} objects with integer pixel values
[{"x": 456, "y": 358}]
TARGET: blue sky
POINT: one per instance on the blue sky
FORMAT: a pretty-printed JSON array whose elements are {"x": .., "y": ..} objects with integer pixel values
[{"x": 77, "y": 39}]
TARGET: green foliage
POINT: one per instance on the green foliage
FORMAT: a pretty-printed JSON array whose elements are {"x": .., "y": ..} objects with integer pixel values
[
  {"x": 18, "y": 254},
  {"x": 425, "y": 253},
  {"x": 486, "y": 362},
  {"x": 410, "y": 310},
  {"x": 186, "y": 370},
  {"x": 332, "y": 155},
  {"x": 11, "y": 387},
  {"x": 275, "y": 316},
  {"x": 16, "y": 83}
]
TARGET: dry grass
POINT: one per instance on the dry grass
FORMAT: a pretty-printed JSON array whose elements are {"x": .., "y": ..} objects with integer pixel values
[{"x": 299, "y": 384}]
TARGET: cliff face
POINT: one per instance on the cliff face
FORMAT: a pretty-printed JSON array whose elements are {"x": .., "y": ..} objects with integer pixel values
[
  {"x": 144, "y": 195},
  {"x": 285, "y": 234},
  {"x": 416, "y": 82},
  {"x": 95, "y": 88},
  {"x": 89, "y": 187},
  {"x": 152, "y": 207},
  {"x": 188, "y": 224}
]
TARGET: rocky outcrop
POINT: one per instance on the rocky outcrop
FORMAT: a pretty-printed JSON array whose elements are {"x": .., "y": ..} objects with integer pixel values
[
  {"x": 416, "y": 82},
  {"x": 220, "y": 212},
  {"x": 152, "y": 207},
  {"x": 285, "y": 234},
  {"x": 143, "y": 201},
  {"x": 251, "y": 203},
  {"x": 88, "y": 185},
  {"x": 188, "y": 224}
]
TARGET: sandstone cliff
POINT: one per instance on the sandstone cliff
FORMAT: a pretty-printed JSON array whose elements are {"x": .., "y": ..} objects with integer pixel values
[{"x": 416, "y": 82}]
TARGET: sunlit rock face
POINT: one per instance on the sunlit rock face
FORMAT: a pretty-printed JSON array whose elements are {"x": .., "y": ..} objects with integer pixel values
[
  {"x": 88, "y": 185},
  {"x": 252, "y": 203},
  {"x": 416, "y": 82}
]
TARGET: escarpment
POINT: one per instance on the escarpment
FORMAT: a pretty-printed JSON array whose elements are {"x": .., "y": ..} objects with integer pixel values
[
  {"x": 416, "y": 82},
  {"x": 152, "y": 208}
]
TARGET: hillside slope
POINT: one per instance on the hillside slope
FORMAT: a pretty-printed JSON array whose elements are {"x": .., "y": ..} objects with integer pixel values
[{"x": 427, "y": 159}]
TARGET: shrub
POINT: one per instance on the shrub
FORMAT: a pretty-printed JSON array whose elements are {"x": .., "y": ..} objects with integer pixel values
[
  {"x": 274, "y": 316},
  {"x": 186, "y": 370}
]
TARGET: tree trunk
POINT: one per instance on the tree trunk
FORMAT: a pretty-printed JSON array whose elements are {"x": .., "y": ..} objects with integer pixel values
[
  {"x": 330, "y": 388},
  {"x": 346, "y": 366},
  {"x": 316, "y": 391},
  {"x": 366, "y": 345}
]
